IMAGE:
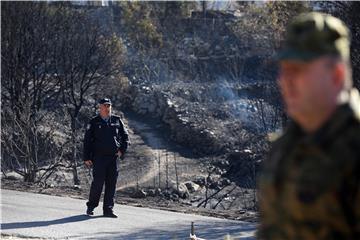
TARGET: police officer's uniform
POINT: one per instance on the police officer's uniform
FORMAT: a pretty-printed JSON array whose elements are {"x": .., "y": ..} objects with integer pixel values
[{"x": 103, "y": 139}]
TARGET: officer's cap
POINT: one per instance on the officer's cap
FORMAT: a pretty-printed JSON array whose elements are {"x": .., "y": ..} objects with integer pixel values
[
  {"x": 312, "y": 35},
  {"x": 105, "y": 101}
]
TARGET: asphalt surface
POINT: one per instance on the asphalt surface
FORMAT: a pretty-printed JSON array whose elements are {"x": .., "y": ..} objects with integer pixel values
[{"x": 51, "y": 217}]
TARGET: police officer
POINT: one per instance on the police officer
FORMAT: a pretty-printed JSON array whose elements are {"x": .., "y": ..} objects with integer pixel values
[
  {"x": 310, "y": 184},
  {"x": 106, "y": 139}
]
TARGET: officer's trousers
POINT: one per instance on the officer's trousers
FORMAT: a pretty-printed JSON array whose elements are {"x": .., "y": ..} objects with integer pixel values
[{"x": 105, "y": 170}]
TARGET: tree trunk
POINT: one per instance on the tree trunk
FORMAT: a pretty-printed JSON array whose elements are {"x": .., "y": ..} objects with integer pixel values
[{"x": 74, "y": 151}]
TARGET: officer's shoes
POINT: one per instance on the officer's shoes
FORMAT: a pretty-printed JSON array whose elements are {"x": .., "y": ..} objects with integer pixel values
[
  {"x": 109, "y": 215},
  {"x": 90, "y": 211}
]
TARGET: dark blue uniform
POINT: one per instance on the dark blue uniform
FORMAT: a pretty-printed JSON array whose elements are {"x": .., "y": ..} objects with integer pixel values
[{"x": 103, "y": 139}]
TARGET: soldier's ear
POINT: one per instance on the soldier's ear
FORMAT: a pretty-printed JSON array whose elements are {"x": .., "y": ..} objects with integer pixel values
[{"x": 339, "y": 75}]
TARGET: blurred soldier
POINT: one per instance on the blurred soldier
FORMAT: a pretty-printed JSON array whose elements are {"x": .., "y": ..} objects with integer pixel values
[
  {"x": 105, "y": 140},
  {"x": 309, "y": 188}
]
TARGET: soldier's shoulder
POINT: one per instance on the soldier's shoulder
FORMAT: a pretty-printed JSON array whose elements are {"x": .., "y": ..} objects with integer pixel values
[
  {"x": 352, "y": 125},
  {"x": 273, "y": 156},
  {"x": 351, "y": 134},
  {"x": 352, "y": 110},
  {"x": 282, "y": 139},
  {"x": 281, "y": 144}
]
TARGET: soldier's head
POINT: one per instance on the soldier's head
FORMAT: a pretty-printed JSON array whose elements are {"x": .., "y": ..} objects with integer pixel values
[
  {"x": 105, "y": 107},
  {"x": 314, "y": 66}
]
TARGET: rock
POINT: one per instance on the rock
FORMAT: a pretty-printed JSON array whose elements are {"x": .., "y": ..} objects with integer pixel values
[
  {"x": 218, "y": 171},
  {"x": 195, "y": 199},
  {"x": 215, "y": 185},
  {"x": 210, "y": 180},
  {"x": 225, "y": 182},
  {"x": 248, "y": 151},
  {"x": 13, "y": 176},
  {"x": 151, "y": 192},
  {"x": 200, "y": 180},
  {"x": 166, "y": 194},
  {"x": 139, "y": 194},
  {"x": 180, "y": 190},
  {"x": 212, "y": 203},
  {"x": 224, "y": 163},
  {"x": 158, "y": 191},
  {"x": 174, "y": 197},
  {"x": 77, "y": 187},
  {"x": 191, "y": 186}
]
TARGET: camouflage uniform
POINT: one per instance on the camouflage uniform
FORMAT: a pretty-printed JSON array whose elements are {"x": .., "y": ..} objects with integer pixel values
[{"x": 310, "y": 184}]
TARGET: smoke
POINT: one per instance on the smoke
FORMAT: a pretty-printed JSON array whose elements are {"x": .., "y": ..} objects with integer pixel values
[{"x": 243, "y": 104}]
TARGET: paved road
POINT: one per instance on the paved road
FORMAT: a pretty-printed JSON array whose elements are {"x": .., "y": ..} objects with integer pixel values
[{"x": 38, "y": 215}]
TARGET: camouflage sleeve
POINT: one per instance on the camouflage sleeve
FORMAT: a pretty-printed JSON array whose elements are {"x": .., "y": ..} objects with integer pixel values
[
  {"x": 267, "y": 228},
  {"x": 268, "y": 202},
  {"x": 357, "y": 211},
  {"x": 352, "y": 193},
  {"x": 357, "y": 203}
]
